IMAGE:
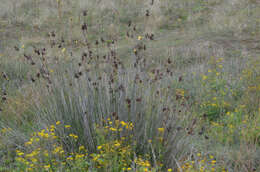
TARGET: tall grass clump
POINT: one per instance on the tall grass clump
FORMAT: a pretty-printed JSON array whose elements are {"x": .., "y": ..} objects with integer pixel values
[{"x": 96, "y": 96}]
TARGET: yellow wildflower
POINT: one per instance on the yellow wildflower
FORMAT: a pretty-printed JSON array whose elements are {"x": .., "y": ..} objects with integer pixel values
[
  {"x": 19, "y": 153},
  {"x": 213, "y": 162},
  {"x": 123, "y": 123},
  {"x": 63, "y": 50},
  {"x": 28, "y": 143},
  {"x": 70, "y": 158},
  {"x": 46, "y": 167},
  {"x": 81, "y": 148},
  {"x": 46, "y": 153},
  {"x": 46, "y": 135},
  {"x": 74, "y": 136},
  {"x": 117, "y": 144},
  {"x": 20, "y": 159},
  {"x": 34, "y": 160},
  {"x": 78, "y": 156},
  {"x": 113, "y": 129},
  {"x": 161, "y": 130}
]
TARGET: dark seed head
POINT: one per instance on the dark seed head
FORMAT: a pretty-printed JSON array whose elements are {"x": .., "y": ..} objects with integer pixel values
[
  {"x": 16, "y": 48},
  {"x": 179, "y": 128},
  {"x": 84, "y": 27},
  {"x": 76, "y": 75},
  {"x": 129, "y": 23},
  {"x": 147, "y": 13},
  {"x": 169, "y": 61},
  {"x": 37, "y": 52},
  {"x": 4, "y": 98},
  {"x": 151, "y": 37},
  {"x": 80, "y": 73},
  {"x": 128, "y": 101},
  {"x": 139, "y": 99},
  {"x": 85, "y": 13},
  {"x": 53, "y": 34},
  {"x": 180, "y": 78},
  {"x": 114, "y": 114}
]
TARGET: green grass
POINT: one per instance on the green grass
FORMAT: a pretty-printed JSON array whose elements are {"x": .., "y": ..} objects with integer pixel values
[{"x": 191, "y": 96}]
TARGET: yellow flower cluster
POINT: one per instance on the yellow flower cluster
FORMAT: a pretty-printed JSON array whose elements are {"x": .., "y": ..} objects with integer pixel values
[
  {"x": 216, "y": 71},
  {"x": 5, "y": 130},
  {"x": 43, "y": 151},
  {"x": 118, "y": 125},
  {"x": 201, "y": 163},
  {"x": 73, "y": 136},
  {"x": 180, "y": 92},
  {"x": 119, "y": 144}
]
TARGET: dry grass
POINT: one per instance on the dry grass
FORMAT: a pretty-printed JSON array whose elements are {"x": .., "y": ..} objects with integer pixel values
[{"x": 197, "y": 78}]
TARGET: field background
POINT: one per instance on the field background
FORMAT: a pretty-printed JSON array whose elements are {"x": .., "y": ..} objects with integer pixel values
[{"x": 130, "y": 85}]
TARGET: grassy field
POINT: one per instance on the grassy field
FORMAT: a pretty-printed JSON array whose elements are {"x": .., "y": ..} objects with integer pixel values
[{"x": 130, "y": 85}]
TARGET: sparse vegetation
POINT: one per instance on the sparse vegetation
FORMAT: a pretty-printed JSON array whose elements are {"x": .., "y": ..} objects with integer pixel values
[{"x": 151, "y": 85}]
